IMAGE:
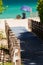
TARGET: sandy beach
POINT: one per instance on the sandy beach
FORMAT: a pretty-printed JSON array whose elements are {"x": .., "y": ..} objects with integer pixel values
[{"x": 16, "y": 23}]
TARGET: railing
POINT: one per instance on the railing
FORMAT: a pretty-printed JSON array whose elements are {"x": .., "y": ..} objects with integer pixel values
[
  {"x": 37, "y": 28},
  {"x": 13, "y": 45}
]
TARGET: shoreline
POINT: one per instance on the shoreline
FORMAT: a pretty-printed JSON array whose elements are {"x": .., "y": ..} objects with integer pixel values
[{"x": 33, "y": 18}]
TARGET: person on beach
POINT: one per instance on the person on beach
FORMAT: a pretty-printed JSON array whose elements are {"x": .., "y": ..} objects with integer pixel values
[{"x": 23, "y": 15}]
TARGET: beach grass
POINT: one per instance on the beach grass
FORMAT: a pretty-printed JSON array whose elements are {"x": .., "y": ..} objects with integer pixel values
[{"x": 8, "y": 63}]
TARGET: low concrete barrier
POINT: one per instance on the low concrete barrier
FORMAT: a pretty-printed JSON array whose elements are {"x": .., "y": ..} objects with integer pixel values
[{"x": 13, "y": 45}]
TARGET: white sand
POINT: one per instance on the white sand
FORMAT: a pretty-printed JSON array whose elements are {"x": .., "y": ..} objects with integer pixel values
[{"x": 18, "y": 23}]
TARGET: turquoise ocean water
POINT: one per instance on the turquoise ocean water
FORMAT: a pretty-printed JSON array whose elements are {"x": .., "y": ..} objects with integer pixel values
[{"x": 14, "y": 8}]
